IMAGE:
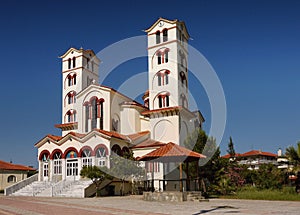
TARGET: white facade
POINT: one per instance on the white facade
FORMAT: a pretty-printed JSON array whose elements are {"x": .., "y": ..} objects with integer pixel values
[{"x": 97, "y": 120}]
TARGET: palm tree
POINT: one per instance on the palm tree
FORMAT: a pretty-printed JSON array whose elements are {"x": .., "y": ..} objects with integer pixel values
[{"x": 293, "y": 154}]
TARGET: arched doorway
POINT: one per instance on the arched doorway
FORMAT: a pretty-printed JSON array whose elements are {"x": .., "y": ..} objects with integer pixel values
[
  {"x": 44, "y": 162},
  {"x": 72, "y": 170}
]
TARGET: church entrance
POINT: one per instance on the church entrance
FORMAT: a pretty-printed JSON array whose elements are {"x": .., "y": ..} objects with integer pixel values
[{"x": 72, "y": 169}]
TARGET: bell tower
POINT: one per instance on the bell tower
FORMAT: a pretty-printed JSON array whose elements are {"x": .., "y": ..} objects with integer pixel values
[
  {"x": 80, "y": 68},
  {"x": 167, "y": 78}
]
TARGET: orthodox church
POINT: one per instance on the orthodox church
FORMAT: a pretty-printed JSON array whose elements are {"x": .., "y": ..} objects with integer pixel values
[{"x": 98, "y": 120}]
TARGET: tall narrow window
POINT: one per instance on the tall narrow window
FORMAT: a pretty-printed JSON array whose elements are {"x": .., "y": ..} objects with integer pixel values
[
  {"x": 159, "y": 79},
  {"x": 101, "y": 115},
  {"x": 167, "y": 77},
  {"x": 165, "y": 35},
  {"x": 94, "y": 113},
  {"x": 74, "y": 79},
  {"x": 167, "y": 100},
  {"x": 157, "y": 37},
  {"x": 160, "y": 101},
  {"x": 69, "y": 63},
  {"x": 159, "y": 58},
  {"x": 87, "y": 114},
  {"x": 166, "y": 56},
  {"x": 70, "y": 80},
  {"x": 74, "y": 62},
  {"x": 87, "y": 63}
]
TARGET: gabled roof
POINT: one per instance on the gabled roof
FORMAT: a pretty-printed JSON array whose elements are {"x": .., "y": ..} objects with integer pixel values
[
  {"x": 9, "y": 166},
  {"x": 172, "y": 152},
  {"x": 258, "y": 152},
  {"x": 175, "y": 21},
  {"x": 81, "y": 50},
  {"x": 252, "y": 153},
  {"x": 58, "y": 140},
  {"x": 148, "y": 144},
  {"x": 138, "y": 135}
]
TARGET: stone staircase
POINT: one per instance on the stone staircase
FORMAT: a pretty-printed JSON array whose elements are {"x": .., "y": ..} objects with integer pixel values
[
  {"x": 74, "y": 189},
  {"x": 34, "y": 189},
  {"x": 196, "y": 196}
]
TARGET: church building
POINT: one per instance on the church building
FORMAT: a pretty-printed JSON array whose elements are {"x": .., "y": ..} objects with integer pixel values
[{"x": 97, "y": 120}]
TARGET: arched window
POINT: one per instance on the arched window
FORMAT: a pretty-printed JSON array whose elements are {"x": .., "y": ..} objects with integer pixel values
[
  {"x": 87, "y": 63},
  {"x": 166, "y": 74},
  {"x": 163, "y": 100},
  {"x": 166, "y": 56},
  {"x": 86, "y": 157},
  {"x": 87, "y": 116},
  {"x": 11, "y": 179},
  {"x": 125, "y": 151},
  {"x": 94, "y": 113},
  {"x": 157, "y": 37},
  {"x": 116, "y": 149},
  {"x": 183, "y": 101},
  {"x": 74, "y": 62},
  {"x": 71, "y": 116},
  {"x": 160, "y": 102},
  {"x": 183, "y": 79},
  {"x": 158, "y": 58},
  {"x": 115, "y": 124},
  {"x": 69, "y": 80},
  {"x": 165, "y": 35},
  {"x": 159, "y": 79},
  {"x": 57, "y": 163},
  {"x": 69, "y": 63},
  {"x": 74, "y": 79},
  {"x": 101, "y": 155}
]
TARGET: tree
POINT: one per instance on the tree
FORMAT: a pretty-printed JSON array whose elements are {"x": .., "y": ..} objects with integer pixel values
[
  {"x": 293, "y": 154},
  {"x": 209, "y": 168},
  {"x": 230, "y": 149},
  {"x": 126, "y": 168},
  {"x": 96, "y": 174}
]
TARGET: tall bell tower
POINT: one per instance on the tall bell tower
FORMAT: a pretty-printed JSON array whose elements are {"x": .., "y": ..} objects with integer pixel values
[
  {"x": 80, "y": 68},
  {"x": 168, "y": 78}
]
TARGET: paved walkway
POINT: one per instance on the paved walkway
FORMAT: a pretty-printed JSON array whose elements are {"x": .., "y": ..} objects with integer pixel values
[{"x": 135, "y": 205}]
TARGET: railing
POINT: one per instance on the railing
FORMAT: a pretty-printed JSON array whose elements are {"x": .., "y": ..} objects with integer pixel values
[
  {"x": 177, "y": 185},
  {"x": 15, "y": 187}
]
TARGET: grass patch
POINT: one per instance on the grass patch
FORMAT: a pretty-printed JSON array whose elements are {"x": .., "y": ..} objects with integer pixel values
[{"x": 285, "y": 194}]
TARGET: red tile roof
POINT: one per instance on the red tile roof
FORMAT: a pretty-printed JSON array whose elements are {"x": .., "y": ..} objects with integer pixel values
[
  {"x": 112, "y": 134},
  {"x": 138, "y": 135},
  {"x": 172, "y": 152},
  {"x": 258, "y": 152},
  {"x": 148, "y": 144},
  {"x": 70, "y": 125},
  {"x": 177, "y": 108},
  {"x": 54, "y": 137},
  {"x": 252, "y": 153},
  {"x": 9, "y": 166}
]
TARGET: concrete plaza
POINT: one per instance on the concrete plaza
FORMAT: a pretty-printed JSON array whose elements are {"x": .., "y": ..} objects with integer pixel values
[{"x": 135, "y": 205}]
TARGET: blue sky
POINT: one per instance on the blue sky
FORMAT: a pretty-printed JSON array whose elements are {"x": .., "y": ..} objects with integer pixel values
[{"x": 254, "y": 47}]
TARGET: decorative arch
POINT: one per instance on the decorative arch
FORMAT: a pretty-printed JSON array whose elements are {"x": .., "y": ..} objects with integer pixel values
[
  {"x": 116, "y": 149},
  {"x": 70, "y": 98},
  {"x": 162, "y": 77},
  {"x": 101, "y": 146},
  {"x": 43, "y": 153},
  {"x": 70, "y": 116},
  {"x": 125, "y": 149},
  {"x": 80, "y": 154},
  {"x": 69, "y": 150},
  {"x": 162, "y": 99},
  {"x": 162, "y": 55},
  {"x": 70, "y": 79},
  {"x": 163, "y": 130},
  {"x": 54, "y": 152},
  {"x": 11, "y": 179},
  {"x": 115, "y": 123}
]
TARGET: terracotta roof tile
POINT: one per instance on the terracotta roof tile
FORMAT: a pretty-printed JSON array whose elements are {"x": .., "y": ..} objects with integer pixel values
[
  {"x": 138, "y": 135},
  {"x": 172, "y": 151},
  {"x": 148, "y": 144},
  {"x": 9, "y": 166},
  {"x": 252, "y": 153}
]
